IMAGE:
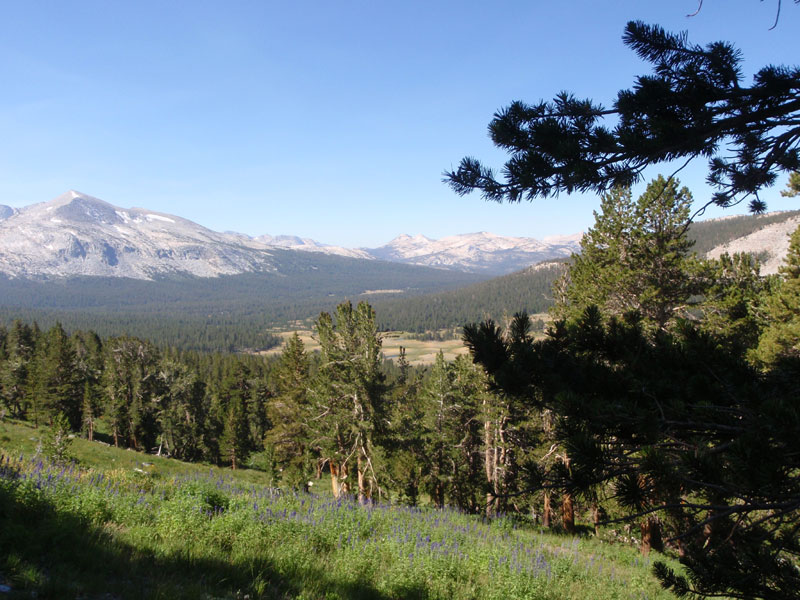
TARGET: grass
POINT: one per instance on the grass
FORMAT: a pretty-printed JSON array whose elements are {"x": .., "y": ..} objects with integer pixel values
[
  {"x": 105, "y": 530},
  {"x": 418, "y": 352}
]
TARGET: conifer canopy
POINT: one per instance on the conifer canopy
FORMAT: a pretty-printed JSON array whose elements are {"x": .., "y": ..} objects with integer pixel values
[{"x": 692, "y": 105}]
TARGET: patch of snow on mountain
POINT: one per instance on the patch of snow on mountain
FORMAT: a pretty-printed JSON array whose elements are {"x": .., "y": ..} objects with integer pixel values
[
  {"x": 477, "y": 252},
  {"x": 87, "y": 236}
]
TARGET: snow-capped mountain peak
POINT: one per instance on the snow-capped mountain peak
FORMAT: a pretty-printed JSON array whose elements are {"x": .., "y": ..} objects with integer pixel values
[
  {"x": 78, "y": 234},
  {"x": 478, "y": 252}
]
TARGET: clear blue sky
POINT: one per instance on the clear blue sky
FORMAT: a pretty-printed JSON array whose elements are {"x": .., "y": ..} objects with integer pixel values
[{"x": 333, "y": 119}]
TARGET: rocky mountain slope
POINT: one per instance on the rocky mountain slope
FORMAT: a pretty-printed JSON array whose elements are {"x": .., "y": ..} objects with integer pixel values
[
  {"x": 79, "y": 235},
  {"x": 769, "y": 243},
  {"x": 76, "y": 234},
  {"x": 477, "y": 252}
]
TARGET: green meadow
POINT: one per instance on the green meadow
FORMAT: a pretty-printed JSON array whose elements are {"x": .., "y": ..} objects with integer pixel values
[{"x": 119, "y": 524}]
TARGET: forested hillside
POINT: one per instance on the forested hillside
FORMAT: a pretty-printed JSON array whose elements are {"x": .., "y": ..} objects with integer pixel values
[
  {"x": 716, "y": 232},
  {"x": 499, "y": 298},
  {"x": 229, "y": 313},
  {"x": 234, "y": 313}
]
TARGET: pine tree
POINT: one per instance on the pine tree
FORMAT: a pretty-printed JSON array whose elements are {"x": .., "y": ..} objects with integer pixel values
[
  {"x": 235, "y": 442},
  {"x": 14, "y": 371},
  {"x": 793, "y": 186},
  {"x": 289, "y": 411},
  {"x": 58, "y": 386},
  {"x": 781, "y": 336},
  {"x": 349, "y": 396},
  {"x": 130, "y": 380},
  {"x": 89, "y": 366},
  {"x": 731, "y": 306},
  {"x": 234, "y": 446},
  {"x": 181, "y": 411},
  {"x": 694, "y": 104},
  {"x": 635, "y": 259},
  {"x": 684, "y": 429}
]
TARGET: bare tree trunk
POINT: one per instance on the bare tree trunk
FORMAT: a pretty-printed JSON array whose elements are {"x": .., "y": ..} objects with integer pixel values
[
  {"x": 568, "y": 513},
  {"x": 334, "y": 478},
  {"x": 363, "y": 493},
  {"x": 344, "y": 484},
  {"x": 489, "y": 463},
  {"x": 596, "y": 517},
  {"x": 547, "y": 511}
]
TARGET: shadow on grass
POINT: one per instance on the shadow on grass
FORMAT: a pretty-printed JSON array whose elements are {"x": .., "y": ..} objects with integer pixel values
[{"x": 57, "y": 555}]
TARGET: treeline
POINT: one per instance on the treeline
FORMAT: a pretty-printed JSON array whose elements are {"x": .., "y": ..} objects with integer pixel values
[
  {"x": 381, "y": 429},
  {"x": 127, "y": 391},
  {"x": 209, "y": 334},
  {"x": 223, "y": 314}
]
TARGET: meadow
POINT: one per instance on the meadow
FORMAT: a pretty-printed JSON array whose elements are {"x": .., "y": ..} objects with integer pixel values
[{"x": 118, "y": 524}]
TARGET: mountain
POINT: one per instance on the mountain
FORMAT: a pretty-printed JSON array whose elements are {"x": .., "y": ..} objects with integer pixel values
[
  {"x": 477, "y": 252},
  {"x": 79, "y": 235},
  {"x": 768, "y": 241},
  {"x": 292, "y": 242}
]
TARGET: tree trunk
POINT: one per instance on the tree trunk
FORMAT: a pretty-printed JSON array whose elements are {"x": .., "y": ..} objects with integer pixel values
[
  {"x": 334, "y": 478},
  {"x": 363, "y": 492},
  {"x": 568, "y": 513},
  {"x": 567, "y": 505},
  {"x": 489, "y": 459},
  {"x": 547, "y": 511},
  {"x": 596, "y": 517},
  {"x": 651, "y": 536}
]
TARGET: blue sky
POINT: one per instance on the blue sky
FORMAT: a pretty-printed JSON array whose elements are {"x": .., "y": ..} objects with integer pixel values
[{"x": 329, "y": 120}]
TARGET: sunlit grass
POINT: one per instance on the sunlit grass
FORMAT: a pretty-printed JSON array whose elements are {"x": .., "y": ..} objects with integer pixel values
[{"x": 183, "y": 531}]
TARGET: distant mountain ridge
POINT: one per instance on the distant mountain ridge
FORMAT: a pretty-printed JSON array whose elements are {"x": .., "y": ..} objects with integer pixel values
[
  {"x": 477, "y": 252},
  {"x": 79, "y": 235}
]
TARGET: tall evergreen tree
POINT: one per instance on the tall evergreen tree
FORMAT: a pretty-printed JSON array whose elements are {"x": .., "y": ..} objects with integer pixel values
[
  {"x": 349, "y": 396},
  {"x": 89, "y": 365},
  {"x": 130, "y": 381},
  {"x": 234, "y": 443},
  {"x": 235, "y": 390},
  {"x": 781, "y": 336},
  {"x": 59, "y": 387},
  {"x": 289, "y": 411},
  {"x": 182, "y": 411},
  {"x": 683, "y": 428},
  {"x": 635, "y": 258},
  {"x": 20, "y": 346}
]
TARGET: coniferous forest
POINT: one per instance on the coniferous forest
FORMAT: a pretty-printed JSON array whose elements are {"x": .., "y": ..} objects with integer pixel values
[
  {"x": 661, "y": 395},
  {"x": 661, "y": 401}
]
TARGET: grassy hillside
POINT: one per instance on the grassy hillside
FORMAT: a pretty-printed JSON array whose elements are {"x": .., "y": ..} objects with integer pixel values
[{"x": 106, "y": 530}]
